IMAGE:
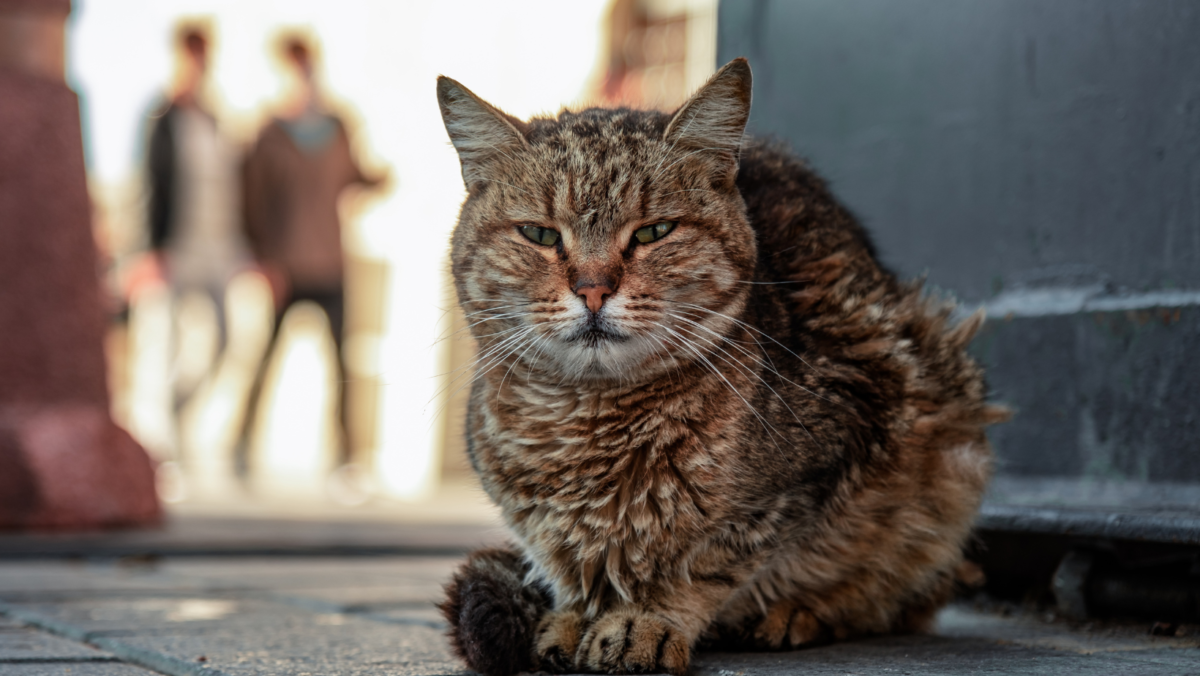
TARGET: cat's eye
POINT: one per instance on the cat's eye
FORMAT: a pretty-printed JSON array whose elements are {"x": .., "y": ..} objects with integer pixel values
[
  {"x": 540, "y": 235},
  {"x": 652, "y": 232}
]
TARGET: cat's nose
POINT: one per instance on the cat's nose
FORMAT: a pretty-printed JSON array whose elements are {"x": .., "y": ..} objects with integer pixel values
[{"x": 594, "y": 295}]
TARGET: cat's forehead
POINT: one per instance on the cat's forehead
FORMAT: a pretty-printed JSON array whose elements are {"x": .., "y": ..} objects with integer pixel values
[
  {"x": 620, "y": 128},
  {"x": 593, "y": 168}
]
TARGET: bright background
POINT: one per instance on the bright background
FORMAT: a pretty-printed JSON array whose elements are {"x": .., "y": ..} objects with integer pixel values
[{"x": 378, "y": 61}]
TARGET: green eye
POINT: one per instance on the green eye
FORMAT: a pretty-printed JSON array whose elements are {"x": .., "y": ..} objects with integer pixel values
[
  {"x": 540, "y": 235},
  {"x": 652, "y": 232}
]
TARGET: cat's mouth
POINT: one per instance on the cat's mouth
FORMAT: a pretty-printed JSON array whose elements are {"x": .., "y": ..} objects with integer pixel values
[{"x": 596, "y": 334}]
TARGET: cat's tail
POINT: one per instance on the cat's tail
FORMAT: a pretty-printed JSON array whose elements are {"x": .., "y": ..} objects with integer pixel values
[{"x": 492, "y": 613}]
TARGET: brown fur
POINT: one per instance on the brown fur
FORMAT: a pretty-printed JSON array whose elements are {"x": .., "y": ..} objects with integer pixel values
[
  {"x": 491, "y": 611},
  {"x": 762, "y": 437}
]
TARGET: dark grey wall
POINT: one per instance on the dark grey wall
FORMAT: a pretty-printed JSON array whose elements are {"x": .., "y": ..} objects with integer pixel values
[
  {"x": 994, "y": 142},
  {"x": 1099, "y": 395},
  {"x": 1039, "y": 156}
]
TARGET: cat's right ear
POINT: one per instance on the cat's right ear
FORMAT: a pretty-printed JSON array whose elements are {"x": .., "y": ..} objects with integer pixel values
[
  {"x": 715, "y": 116},
  {"x": 482, "y": 134}
]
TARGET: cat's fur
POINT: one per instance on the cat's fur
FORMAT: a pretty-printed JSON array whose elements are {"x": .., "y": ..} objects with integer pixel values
[{"x": 762, "y": 439}]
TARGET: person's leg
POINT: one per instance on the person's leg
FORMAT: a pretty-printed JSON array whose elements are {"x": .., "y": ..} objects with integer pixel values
[
  {"x": 216, "y": 293},
  {"x": 250, "y": 415},
  {"x": 333, "y": 302}
]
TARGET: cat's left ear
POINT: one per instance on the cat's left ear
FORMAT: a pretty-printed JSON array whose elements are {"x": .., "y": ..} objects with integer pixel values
[
  {"x": 481, "y": 133},
  {"x": 716, "y": 115}
]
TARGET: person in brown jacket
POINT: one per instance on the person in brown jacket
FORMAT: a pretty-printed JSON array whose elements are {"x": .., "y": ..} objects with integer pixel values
[{"x": 293, "y": 177}]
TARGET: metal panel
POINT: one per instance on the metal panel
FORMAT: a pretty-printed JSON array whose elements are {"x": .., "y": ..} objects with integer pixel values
[{"x": 1041, "y": 158}]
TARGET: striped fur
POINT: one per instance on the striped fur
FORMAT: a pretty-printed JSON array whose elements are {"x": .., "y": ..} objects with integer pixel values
[{"x": 762, "y": 439}]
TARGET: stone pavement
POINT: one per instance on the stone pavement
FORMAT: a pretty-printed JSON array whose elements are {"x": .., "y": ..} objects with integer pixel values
[{"x": 310, "y": 616}]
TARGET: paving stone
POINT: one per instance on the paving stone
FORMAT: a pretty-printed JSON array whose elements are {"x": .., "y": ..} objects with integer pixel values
[
  {"x": 321, "y": 573},
  {"x": 355, "y": 599},
  {"x": 1027, "y": 630},
  {"x": 330, "y": 584},
  {"x": 9, "y": 623},
  {"x": 932, "y": 656},
  {"x": 62, "y": 579},
  {"x": 1186, "y": 659},
  {"x": 349, "y": 582},
  {"x": 31, "y": 644},
  {"x": 245, "y": 535},
  {"x": 343, "y": 645},
  {"x": 427, "y": 616},
  {"x": 171, "y": 615},
  {"x": 73, "y": 669},
  {"x": 277, "y": 616}
]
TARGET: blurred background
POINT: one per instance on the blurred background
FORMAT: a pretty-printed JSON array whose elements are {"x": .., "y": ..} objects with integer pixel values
[
  {"x": 266, "y": 192},
  {"x": 233, "y": 416}
]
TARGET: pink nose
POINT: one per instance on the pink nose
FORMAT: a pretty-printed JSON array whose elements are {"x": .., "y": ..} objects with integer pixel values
[{"x": 594, "y": 296}]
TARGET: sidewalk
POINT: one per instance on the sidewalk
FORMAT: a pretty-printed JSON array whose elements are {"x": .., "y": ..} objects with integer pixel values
[
  {"x": 308, "y": 589},
  {"x": 310, "y": 616}
]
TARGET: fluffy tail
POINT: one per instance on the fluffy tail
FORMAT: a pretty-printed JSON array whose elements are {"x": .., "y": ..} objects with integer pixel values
[{"x": 492, "y": 613}]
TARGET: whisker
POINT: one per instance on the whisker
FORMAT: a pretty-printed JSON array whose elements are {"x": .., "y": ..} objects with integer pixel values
[
  {"x": 770, "y": 429},
  {"x": 748, "y": 371},
  {"x": 482, "y": 371},
  {"x": 683, "y": 341},
  {"x": 495, "y": 309},
  {"x": 542, "y": 343},
  {"x": 516, "y": 361},
  {"x": 500, "y": 333},
  {"x": 752, "y": 328},
  {"x": 771, "y": 367},
  {"x": 485, "y": 356},
  {"x": 506, "y": 315},
  {"x": 676, "y": 366},
  {"x": 459, "y": 330},
  {"x": 468, "y": 327},
  {"x": 749, "y": 334}
]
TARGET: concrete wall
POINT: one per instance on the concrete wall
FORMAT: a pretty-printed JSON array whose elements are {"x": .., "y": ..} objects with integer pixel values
[{"x": 1041, "y": 157}]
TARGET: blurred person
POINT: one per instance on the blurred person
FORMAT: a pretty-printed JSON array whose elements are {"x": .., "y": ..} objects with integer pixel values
[
  {"x": 193, "y": 220},
  {"x": 293, "y": 177}
]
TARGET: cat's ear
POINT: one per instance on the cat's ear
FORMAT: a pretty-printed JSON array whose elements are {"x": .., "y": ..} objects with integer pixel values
[
  {"x": 481, "y": 133},
  {"x": 716, "y": 115}
]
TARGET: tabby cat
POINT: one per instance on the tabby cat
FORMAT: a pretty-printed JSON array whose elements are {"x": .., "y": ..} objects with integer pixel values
[{"x": 707, "y": 412}]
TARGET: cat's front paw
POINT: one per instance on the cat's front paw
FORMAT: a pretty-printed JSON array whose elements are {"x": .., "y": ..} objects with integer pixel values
[
  {"x": 558, "y": 636},
  {"x": 633, "y": 642}
]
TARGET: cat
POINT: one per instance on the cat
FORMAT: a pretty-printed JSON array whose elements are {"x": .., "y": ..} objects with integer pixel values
[{"x": 708, "y": 414}]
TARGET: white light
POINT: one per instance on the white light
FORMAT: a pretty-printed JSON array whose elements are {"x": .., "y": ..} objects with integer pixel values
[
  {"x": 380, "y": 58},
  {"x": 293, "y": 452},
  {"x": 151, "y": 396}
]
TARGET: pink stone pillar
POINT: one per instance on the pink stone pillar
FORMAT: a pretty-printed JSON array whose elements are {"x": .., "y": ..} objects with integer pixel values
[{"x": 63, "y": 462}]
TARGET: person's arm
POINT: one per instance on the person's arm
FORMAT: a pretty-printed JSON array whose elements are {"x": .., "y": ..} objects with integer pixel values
[
  {"x": 258, "y": 219},
  {"x": 160, "y": 166},
  {"x": 253, "y": 201},
  {"x": 356, "y": 176}
]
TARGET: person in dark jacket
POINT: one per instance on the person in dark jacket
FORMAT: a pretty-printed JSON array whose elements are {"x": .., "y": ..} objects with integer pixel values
[
  {"x": 193, "y": 215},
  {"x": 293, "y": 177}
]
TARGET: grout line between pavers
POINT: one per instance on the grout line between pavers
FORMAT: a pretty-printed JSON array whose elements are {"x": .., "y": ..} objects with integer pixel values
[
  {"x": 59, "y": 660},
  {"x": 164, "y": 664}
]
